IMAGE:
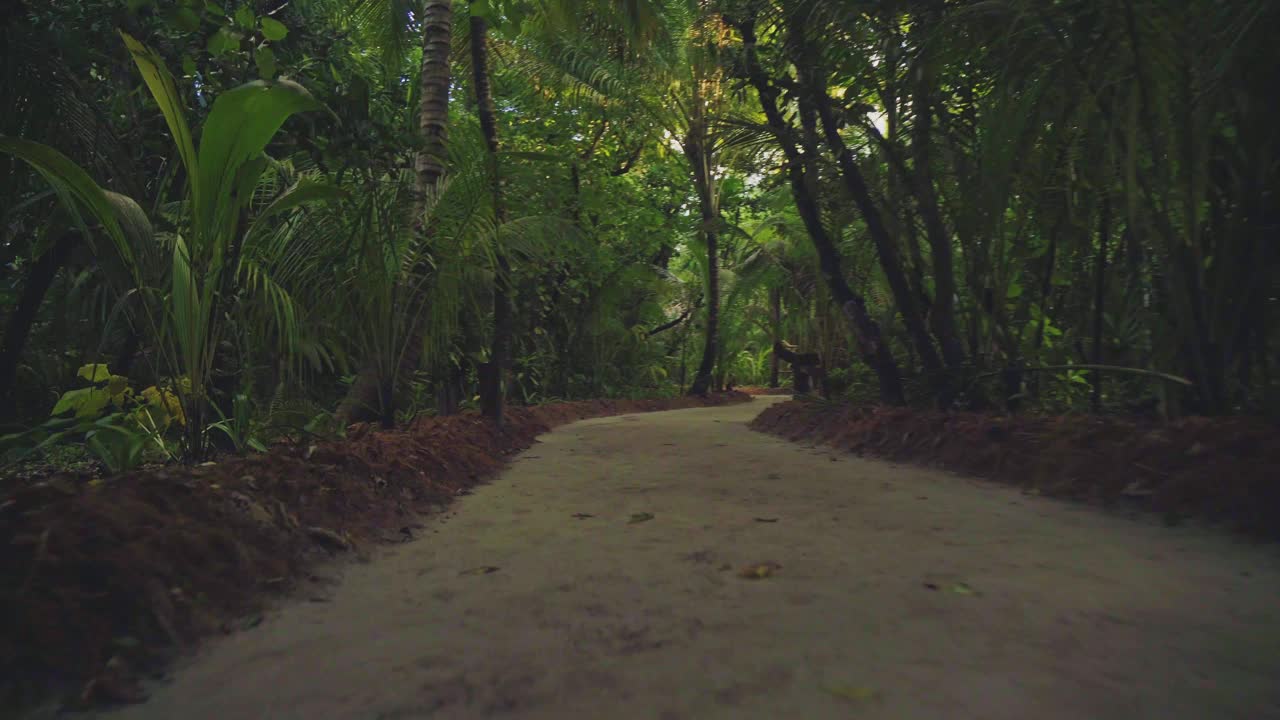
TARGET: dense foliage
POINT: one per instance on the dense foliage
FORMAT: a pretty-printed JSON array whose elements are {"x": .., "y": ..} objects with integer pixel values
[{"x": 225, "y": 222}]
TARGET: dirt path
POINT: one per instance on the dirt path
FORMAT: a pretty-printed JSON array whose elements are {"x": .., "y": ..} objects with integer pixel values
[{"x": 902, "y": 594}]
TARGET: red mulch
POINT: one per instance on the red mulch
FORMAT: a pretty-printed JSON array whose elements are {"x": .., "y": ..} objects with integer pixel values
[
  {"x": 1223, "y": 470},
  {"x": 145, "y": 564}
]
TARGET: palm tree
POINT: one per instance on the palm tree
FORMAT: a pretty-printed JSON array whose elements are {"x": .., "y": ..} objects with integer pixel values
[{"x": 372, "y": 393}]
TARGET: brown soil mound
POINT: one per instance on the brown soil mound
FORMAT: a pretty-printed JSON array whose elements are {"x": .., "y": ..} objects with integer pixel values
[
  {"x": 1219, "y": 469},
  {"x": 765, "y": 390},
  {"x": 130, "y": 570}
]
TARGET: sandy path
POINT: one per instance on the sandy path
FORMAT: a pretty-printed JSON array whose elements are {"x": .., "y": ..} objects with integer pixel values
[{"x": 1070, "y": 612}]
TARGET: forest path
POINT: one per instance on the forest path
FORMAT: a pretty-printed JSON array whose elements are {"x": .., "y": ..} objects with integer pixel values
[{"x": 903, "y": 593}]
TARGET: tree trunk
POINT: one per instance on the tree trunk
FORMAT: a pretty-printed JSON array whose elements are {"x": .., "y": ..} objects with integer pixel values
[
  {"x": 874, "y": 351},
  {"x": 492, "y": 377},
  {"x": 370, "y": 391},
  {"x": 695, "y": 148},
  {"x": 702, "y": 378},
  {"x": 942, "y": 313},
  {"x": 41, "y": 276},
  {"x": 775, "y": 321},
  {"x": 814, "y": 84},
  {"x": 1099, "y": 303}
]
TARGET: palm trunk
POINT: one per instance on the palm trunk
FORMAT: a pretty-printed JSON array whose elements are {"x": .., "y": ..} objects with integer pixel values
[
  {"x": 372, "y": 390},
  {"x": 775, "y": 321},
  {"x": 492, "y": 376},
  {"x": 695, "y": 151}
]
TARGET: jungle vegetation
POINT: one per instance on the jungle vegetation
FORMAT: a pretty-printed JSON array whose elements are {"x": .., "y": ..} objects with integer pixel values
[{"x": 222, "y": 222}]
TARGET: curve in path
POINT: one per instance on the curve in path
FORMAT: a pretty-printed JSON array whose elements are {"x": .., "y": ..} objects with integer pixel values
[{"x": 902, "y": 593}]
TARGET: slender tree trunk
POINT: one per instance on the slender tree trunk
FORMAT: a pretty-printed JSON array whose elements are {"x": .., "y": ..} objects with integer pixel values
[
  {"x": 942, "y": 313},
  {"x": 493, "y": 375},
  {"x": 1099, "y": 302},
  {"x": 871, "y": 345},
  {"x": 39, "y": 279},
  {"x": 371, "y": 390},
  {"x": 814, "y": 85},
  {"x": 775, "y": 322},
  {"x": 697, "y": 153}
]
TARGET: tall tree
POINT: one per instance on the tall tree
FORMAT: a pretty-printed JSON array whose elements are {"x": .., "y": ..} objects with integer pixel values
[{"x": 372, "y": 394}]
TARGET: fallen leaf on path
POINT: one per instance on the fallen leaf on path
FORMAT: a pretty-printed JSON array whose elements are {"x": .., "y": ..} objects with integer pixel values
[
  {"x": 639, "y": 518},
  {"x": 769, "y": 520},
  {"x": 759, "y": 570},
  {"x": 859, "y": 694},
  {"x": 583, "y": 516},
  {"x": 962, "y": 589},
  {"x": 930, "y": 586},
  {"x": 482, "y": 570},
  {"x": 773, "y": 476}
]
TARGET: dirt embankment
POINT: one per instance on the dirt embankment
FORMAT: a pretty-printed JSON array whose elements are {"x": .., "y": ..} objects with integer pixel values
[
  {"x": 134, "y": 569},
  {"x": 1218, "y": 469}
]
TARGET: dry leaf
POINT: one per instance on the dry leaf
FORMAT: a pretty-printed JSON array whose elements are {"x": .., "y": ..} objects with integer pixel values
[
  {"x": 639, "y": 518},
  {"x": 482, "y": 570},
  {"x": 759, "y": 570}
]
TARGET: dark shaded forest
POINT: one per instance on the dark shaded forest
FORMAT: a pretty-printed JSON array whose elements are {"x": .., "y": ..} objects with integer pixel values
[{"x": 227, "y": 223}]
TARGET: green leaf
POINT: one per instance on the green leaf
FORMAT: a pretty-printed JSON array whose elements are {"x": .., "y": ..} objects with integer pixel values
[
  {"x": 239, "y": 127},
  {"x": 86, "y": 402},
  {"x": 162, "y": 87},
  {"x": 265, "y": 58},
  {"x": 245, "y": 18},
  {"x": 273, "y": 29},
  {"x": 94, "y": 372},
  {"x": 222, "y": 42},
  {"x": 188, "y": 65},
  {"x": 481, "y": 8},
  {"x": 186, "y": 19},
  {"x": 78, "y": 191},
  {"x": 306, "y": 190}
]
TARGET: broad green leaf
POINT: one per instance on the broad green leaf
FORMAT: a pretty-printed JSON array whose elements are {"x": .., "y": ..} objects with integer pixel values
[
  {"x": 273, "y": 29},
  {"x": 94, "y": 372},
  {"x": 239, "y": 127},
  {"x": 245, "y": 17},
  {"x": 86, "y": 402},
  {"x": 78, "y": 191}
]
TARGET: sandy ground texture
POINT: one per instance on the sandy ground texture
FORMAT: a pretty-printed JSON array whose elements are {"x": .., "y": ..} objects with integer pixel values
[{"x": 598, "y": 577}]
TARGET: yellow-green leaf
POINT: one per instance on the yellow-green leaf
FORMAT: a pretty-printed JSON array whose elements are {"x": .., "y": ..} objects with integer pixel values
[{"x": 94, "y": 372}]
